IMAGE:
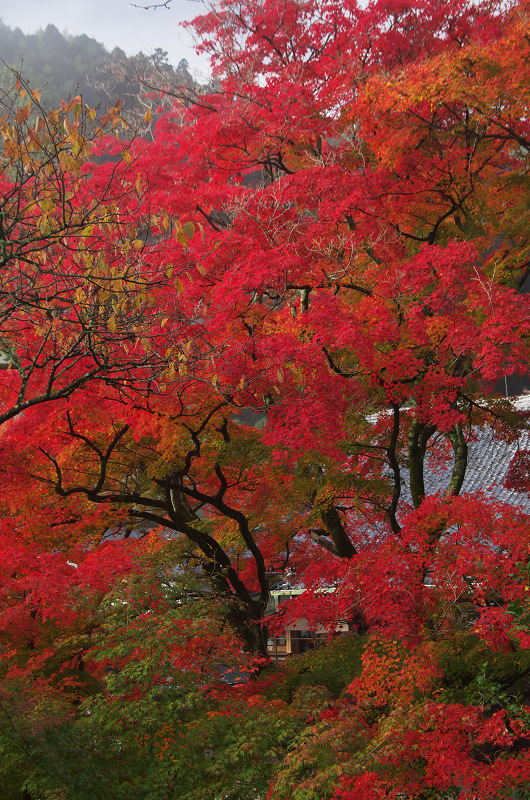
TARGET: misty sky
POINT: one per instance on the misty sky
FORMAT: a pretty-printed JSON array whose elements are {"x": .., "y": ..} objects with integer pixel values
[{"x": 115, "y": 23}]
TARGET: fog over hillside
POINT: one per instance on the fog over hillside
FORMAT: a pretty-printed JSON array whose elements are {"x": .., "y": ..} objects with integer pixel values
[
  {"x": 60, "y": 65},
  {"x": 120, "y": 23}
]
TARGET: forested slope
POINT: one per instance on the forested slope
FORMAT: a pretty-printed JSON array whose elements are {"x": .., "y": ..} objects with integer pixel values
[{"x": 60, "y": 66}]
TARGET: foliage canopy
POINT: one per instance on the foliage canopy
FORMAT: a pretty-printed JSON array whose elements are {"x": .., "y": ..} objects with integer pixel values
[{"x": 234, "y": 353}]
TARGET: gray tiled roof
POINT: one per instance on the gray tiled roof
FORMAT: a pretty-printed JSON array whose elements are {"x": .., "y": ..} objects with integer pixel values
[{"x": 488, "y": 463}]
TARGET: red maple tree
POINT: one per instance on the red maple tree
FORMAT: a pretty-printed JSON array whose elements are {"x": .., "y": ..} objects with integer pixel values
[{"x": 319, "y": 334}]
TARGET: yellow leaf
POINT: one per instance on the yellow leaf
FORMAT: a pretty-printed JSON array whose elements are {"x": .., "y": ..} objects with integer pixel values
[
  {"x": 126, "y": 156},
  {"x": 46, "y": 206},
  {"x": 148, "y": 116},
  {"x": 188, "y": 229},
  {"x": 73, "y": 167}
]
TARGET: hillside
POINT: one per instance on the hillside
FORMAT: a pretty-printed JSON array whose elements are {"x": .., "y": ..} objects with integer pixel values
[{"x": 60, "y": 66}]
